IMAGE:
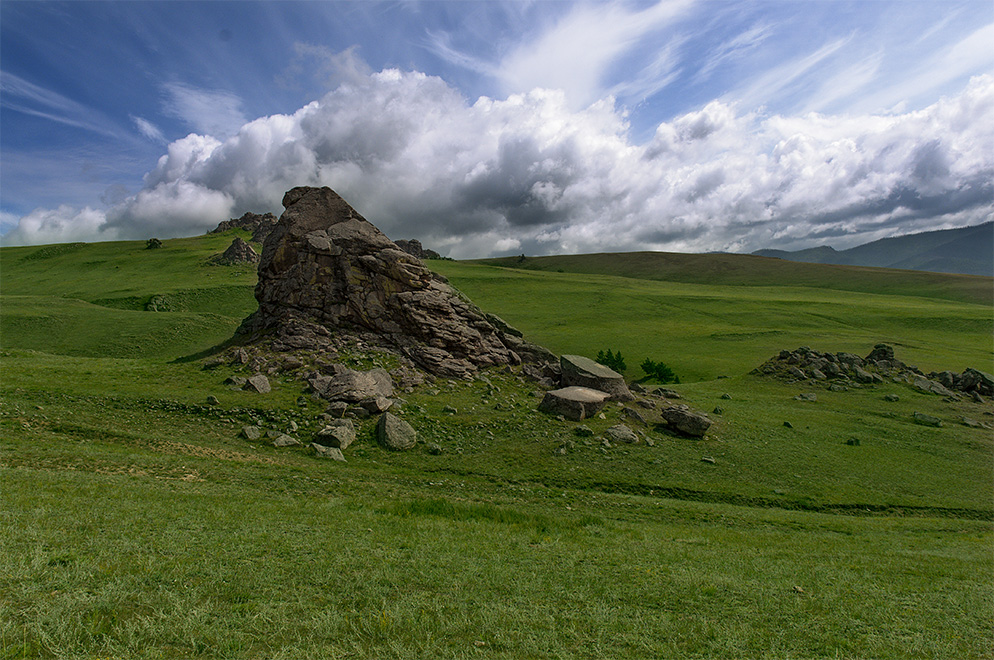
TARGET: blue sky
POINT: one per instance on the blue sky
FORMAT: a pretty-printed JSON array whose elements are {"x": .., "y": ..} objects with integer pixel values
[{"x": 499, "y": 127}]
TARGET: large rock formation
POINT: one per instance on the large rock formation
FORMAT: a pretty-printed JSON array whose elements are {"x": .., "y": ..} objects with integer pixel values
[{"x": 324, "y": 263}]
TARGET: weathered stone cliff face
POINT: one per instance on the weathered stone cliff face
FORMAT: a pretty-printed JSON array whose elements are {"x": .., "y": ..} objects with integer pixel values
[{"x": 324, "y": 263}]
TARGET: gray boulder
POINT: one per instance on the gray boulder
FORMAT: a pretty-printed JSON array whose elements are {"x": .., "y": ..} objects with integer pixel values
[
  {"x": 353, "y": 386},
  {"x": 584, "y": 372},
  {"x": 931, "y": 387},
  {"x": 686, "y": 421},
  {"x": 621, "y": 433},
  {"x": 926, "y": 420},
  {"x": 284, "y": 440},
  {"x": 337, "y": 433},
  {"x": 573, "y": 402},
  {"x": 334, "y": 453},
  {"x": 395, "y": 434},
  {"x": 251, "y": 432},
  {"x": 258, "y": 383}
]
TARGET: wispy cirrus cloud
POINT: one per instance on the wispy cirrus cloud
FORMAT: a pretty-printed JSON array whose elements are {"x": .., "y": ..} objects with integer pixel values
[
  {"x": 576, "y": 53},
  {"x": 27, "y": 97},
  {"x": 207, "y": 111},
  {"x": 148, "y": 129}
]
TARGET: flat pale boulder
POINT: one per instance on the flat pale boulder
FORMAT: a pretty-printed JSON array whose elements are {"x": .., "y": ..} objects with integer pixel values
[
  {"x": 584, "y": 372},
  {"x": 574, "y": 402}
]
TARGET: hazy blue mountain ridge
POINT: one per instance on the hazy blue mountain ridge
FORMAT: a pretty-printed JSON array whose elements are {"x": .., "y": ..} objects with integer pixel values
[{"x": 968, "y": 250}]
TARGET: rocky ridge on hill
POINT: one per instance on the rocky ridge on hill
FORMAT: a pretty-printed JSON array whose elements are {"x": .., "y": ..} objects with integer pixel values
[
  {"x": 841, "y": 370},
  {"x": 260, "y": 224}
]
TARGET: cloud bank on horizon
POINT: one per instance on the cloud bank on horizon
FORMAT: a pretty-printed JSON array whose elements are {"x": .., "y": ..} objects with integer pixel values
[{"x": 604, "y": 127}]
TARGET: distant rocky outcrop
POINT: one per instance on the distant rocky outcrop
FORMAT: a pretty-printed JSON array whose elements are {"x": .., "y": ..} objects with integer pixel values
[
  {"x": 325, "y": 265},
  {"x": 259, "y": 225},
  {"x": 239, "y": 252},
  {"x": 877, "y": 367},
  {"x": 414, "y": 248}
]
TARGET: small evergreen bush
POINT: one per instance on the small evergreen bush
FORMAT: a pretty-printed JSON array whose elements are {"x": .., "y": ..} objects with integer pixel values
[
  {"x": 659, "y": 371},
  {"x": 612, "y": 360}
]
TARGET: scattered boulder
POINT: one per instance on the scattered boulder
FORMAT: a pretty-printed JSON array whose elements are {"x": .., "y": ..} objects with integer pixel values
[
  {"x": 573, "y": 402},
  {"x": 634, "y": 415},
  {"x": 806, "y": 396},
  {"x": 338, "y": 433},
  {"x": 395, "y": 434},
  {"x": 621, "y": 433},
  {"x": 376, "y": 404},
  {"x": 931, "y": 387},
  {"x": 251, "y": 432},
  {"x": 686, "y": 421},
  {"x": 351, "y": 385},
  {"x": 258, "y": 383},
  {"x": 334, "y": 453},
  {"x": 212, "y": 400},
  {"x": 584, "y": 372},
  {"x": 153, "y": 244},
  {"x": 926, "y": 420},
  {"x": 893, "y": 398},
  {"x": 284, "y": 440}
]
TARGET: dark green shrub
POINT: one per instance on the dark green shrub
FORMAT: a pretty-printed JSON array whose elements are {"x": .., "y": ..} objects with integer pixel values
[
  {"x": 659, "y": 371},
  {"x": 612, "y": 360}
]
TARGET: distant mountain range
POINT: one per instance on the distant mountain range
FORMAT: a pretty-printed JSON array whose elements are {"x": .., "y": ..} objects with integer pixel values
[{"x": 969, "y": 250}]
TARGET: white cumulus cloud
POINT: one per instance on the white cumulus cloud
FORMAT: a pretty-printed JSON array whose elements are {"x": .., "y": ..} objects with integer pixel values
[{"x": 530, "y": 173}]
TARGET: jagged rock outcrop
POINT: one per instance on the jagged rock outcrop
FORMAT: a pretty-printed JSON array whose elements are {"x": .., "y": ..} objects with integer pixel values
[
  {"x": 414, "y": 248},
  {"x": 259, "y": 224},
  {"x": 881, "y": 364},
  {"x": 239, "y": 252},
  {"x": 324, "y": 263}
]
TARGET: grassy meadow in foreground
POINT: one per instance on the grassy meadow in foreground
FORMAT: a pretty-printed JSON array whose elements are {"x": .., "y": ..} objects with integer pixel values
[{"x": 137, "y": 524}]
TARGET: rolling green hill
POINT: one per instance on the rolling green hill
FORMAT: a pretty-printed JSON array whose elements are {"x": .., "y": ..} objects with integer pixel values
[
  {"x": 751, "y": 270},
  {"x": 137, "y": 523}
]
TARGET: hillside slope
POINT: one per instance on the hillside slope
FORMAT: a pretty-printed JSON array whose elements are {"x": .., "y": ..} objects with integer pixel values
[
  {"x": 968, "y": 250},
  {"x": 752, "y": 270}
]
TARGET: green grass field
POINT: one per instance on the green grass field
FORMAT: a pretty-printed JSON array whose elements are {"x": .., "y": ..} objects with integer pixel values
[{"x": 136, "y": 523}]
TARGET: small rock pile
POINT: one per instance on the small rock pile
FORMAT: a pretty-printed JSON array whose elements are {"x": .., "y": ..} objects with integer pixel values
[{"x": 840, "y": 370}]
